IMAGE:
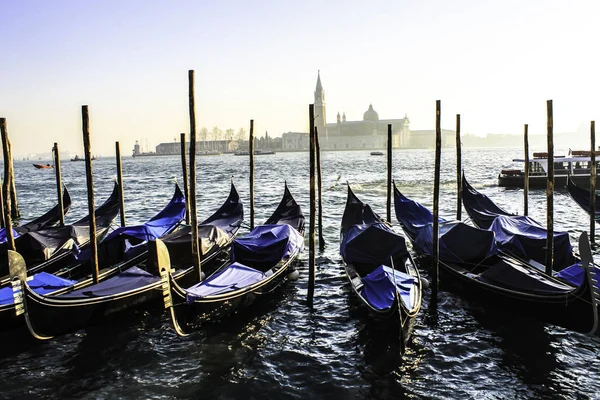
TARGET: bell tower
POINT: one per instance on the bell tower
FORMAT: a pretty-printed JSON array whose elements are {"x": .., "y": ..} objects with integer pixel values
[{"x": 320, "y": 115}]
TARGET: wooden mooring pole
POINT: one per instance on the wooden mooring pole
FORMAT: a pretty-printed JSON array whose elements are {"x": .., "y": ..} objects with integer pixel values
[
  {"x": 59, "y": 186},
  {"x": 14, "y": 204},
  {"x": 320, "y": 190},
  {"x": 120, "y": 182},
  {"x": 186, "y": 189},
  {"x": 458, "y": 171},
  {"x": 10, "y": 239},
  {"x": 311, "y": 233},
  {"x": 89, "y": 177},
  {"x": 193, "y": 205},
  {"x": 526, "y": 181},
  {"x": 436, "y": 197},
  {"x": 388, "y": 202},
  {"x": 593, "y": 182},
  {"x": 550, "y": 192},
  {"x": 251, "y": 155}
]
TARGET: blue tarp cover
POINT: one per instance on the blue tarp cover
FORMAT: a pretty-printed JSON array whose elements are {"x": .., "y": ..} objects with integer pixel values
[
  {"x": 458, "y": 242},
  {"x": 520, "y": 235},
  {"x": 3, "y": 237},
  {"x": 236, "y": 276},
  {"x": 161, "y": 224},
  {"x": 372, "y": 244},
  {"x": 575, "y": 274},
  {"x": 525, "y": 237},
  {"x": 379, "y": 288},
  {"x": 267, "y": 243},
  {"x": 42, "y": 283},
  {"x": 130, "y": 279}
]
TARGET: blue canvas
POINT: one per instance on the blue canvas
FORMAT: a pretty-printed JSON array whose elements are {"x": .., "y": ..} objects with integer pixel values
[
  {"x": 236, "y": 276},
  {"x": 267, "y": 243},
  {"x": 379, "y": 289},
  {"x": 42, "y": 283}
]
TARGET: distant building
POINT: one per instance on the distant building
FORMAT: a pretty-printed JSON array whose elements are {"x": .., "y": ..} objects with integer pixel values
[
  {"x": 368, "y": 133},
  {"x": 294, "y": 141}
]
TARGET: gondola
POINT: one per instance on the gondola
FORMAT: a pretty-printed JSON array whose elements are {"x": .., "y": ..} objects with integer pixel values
[
  {"x": 122, "y": 247},
  {"x": 524, "y": 237},
  {"x": 379, "y": 268},
  {"x": 131, "y": 284},
  {"x": 470, "y": 261},
  {"x": 49, "y": 219},
  {"x": 519, "y": 235},
  {"x": 260, "y": 262},
  {"x": 582, "y": 197},
  {"x": 54, "y": 248}
]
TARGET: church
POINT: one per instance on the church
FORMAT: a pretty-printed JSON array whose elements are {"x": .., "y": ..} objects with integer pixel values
[{"x": 368, "y": 133}]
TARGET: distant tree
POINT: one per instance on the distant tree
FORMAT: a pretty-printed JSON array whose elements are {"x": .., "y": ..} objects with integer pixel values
[
  {"x": 217, "y": 133},
  {"x": 242, "y": 135},
  {"x": 229, "y": 134},
  {"x": 204, "y": 137}
]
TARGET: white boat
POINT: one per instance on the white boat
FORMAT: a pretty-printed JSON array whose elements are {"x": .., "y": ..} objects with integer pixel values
[{"x": 577, "y": 165}]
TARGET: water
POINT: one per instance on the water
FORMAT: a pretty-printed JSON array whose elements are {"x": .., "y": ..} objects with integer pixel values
[{"x": 281, "y": 348}]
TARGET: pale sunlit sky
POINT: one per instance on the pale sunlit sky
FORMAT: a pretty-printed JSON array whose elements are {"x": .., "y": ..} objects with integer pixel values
[{"x": 494, "y": 62}]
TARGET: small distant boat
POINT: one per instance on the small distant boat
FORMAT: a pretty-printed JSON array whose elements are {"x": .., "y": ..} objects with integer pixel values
[
  {"x": 209, "y": 153},
  {"x": 256, "y": 153},
  {"x": 377, "y": 153},
  {"x": 77, "y": 158},
  {"x": 42, "y": 166}
]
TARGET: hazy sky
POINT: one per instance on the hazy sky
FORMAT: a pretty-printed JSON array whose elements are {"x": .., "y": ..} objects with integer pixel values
[{"x": 494, "y": 62}]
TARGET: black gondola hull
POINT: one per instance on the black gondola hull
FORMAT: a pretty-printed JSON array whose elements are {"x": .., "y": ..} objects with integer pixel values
[
  {"x": 572, "y": 311},
  {"x": 48, "y": 319},
  {"x": 216, "y": 308}
]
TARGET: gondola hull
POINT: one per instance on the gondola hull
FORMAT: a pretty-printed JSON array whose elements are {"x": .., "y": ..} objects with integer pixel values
[
  {"x": 260, "y": 262},
  {"x": 132, "y": 284},
  {"x": 54, "y": 248},
  {"x": 49, "y": 319},
  {"x": 371, "y": 250},
  {"x": 572, "y": 311},
  {"x": 54, "y": 315},
  {"x": 215, "y": 308},
  {"x": 497, "y": 278},
  {"x": 393, "y": 318}
]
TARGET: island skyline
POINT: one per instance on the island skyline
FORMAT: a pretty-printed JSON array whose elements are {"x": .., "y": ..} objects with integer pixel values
[{"x": 128, "y": 62}]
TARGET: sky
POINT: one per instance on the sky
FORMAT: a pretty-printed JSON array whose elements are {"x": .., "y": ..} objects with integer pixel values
[{"x": 494, "y": 62}]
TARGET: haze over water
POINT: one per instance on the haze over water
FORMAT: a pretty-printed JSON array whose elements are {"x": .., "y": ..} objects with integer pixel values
[{"x": 280, "y": 349}]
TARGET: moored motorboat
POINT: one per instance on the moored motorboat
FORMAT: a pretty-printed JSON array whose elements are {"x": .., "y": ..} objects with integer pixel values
[
  {"x": 469, "y": 260},
  {"x": 260, "y": 262},
  {"x": 576, "y": 165},
  {"x": 130, "y": 284},
  {"x": 379, "y": 268}
]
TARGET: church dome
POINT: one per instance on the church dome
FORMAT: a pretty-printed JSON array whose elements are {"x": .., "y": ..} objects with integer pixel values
[{"x": 370, "y": 114}]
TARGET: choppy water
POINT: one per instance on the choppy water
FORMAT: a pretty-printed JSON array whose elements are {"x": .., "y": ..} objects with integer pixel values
[{"x": 281, "y": 348}]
